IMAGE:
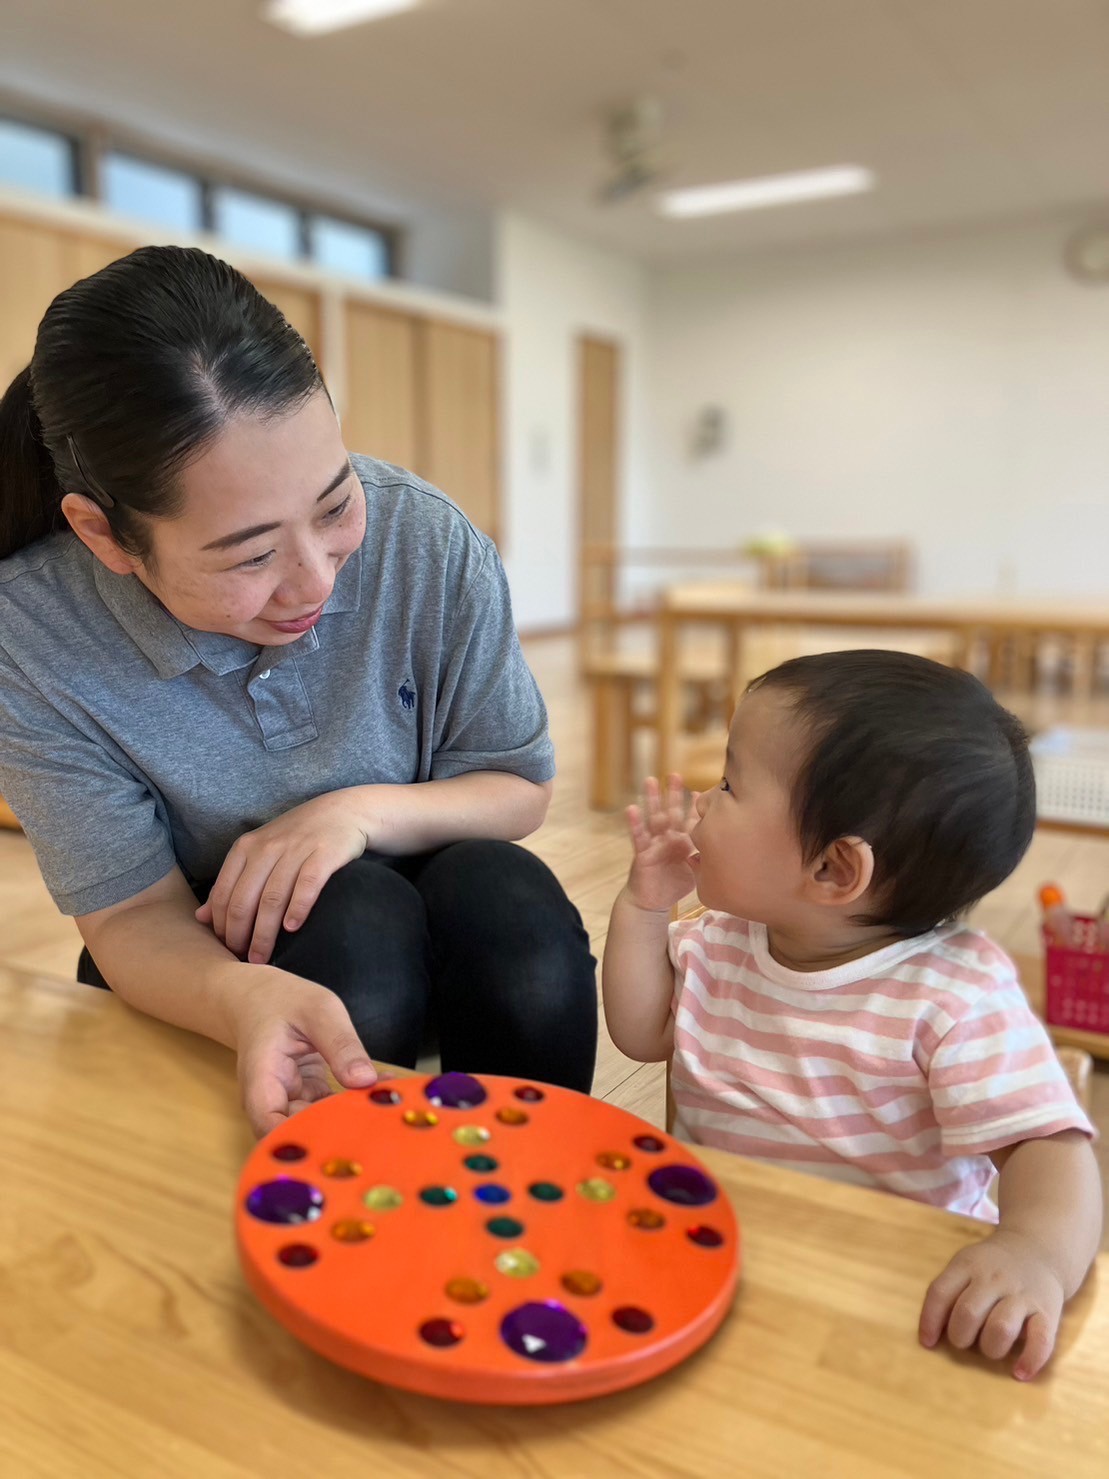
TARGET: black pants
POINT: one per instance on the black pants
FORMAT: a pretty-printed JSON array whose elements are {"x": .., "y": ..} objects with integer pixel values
[{"x": 475, "y": 948}]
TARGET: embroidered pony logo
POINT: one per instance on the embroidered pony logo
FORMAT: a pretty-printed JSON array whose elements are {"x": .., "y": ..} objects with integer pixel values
[{"x": 407, "y": 695}]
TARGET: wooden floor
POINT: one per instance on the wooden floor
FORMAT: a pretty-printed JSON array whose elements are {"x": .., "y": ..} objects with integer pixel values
[{"x": 589, "y": 853}]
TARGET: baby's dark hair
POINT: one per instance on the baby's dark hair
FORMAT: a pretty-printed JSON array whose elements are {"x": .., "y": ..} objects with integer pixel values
[{"x": 920, "y": 761}]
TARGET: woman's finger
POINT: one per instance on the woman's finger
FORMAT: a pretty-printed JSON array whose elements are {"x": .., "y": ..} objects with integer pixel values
[
  {"x": 245, "y": 901},
  {"x": 313, "y": 874},
  {"x": 273, "y": 904},
  {"x": 222, "y": 889}
]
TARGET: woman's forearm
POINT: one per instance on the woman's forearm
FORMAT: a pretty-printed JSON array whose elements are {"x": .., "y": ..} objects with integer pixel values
[
  {"x": 159, "y": 960},
  {"x": 483, "y": 804}
]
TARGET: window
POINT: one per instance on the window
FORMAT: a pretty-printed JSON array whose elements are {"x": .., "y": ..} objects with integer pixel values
[
  {"x": 339, "y": 246},
  {"x": 254, "y": 222},
  {"x": 39, "y": 159},
  {"x": 152, "y": 192},
  {"x": 168, "y": 191}
]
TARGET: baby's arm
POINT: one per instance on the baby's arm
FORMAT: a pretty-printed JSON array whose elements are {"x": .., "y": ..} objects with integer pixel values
[
  {"x": 637, "y": 977},
  {"x": 1018, "y": 1279}
]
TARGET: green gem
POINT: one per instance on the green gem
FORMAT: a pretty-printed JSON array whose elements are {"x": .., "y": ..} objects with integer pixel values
[
  {"x": 438, "y": 1196},
  {"x": 505, "y": 1227},
  {"x": 480, "y": 1163},
  {"x": 383, "y": 1198},
  {"x": 546, "y": 1191}
]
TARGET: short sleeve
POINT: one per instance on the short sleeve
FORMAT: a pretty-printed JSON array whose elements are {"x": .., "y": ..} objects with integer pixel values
[
  {"x": 98, "y": 833},
  {"x": 489, "y": 713},
  {"x": 995, "y": 1080}
]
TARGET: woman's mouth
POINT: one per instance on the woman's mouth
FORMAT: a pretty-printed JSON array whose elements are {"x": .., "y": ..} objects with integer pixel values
[{"x": 298, "y": 624}]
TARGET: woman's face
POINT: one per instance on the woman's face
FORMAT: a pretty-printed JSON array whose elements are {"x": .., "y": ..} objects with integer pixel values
[{"x": 271, "y": 512}]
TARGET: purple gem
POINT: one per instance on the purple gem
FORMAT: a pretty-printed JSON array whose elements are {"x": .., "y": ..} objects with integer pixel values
[
  {"x": 455, "y": 1091},
  {"x": 285, "y": 1200},
  {"x": 544, "y": 1332},
  {"x": 682, "y": 1184}
]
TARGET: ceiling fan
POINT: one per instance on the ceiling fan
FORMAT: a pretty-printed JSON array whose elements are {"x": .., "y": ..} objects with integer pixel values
[{"x": 631, "y": 137}]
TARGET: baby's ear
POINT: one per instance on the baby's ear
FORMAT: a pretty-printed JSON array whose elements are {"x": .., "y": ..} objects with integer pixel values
[{"x": 843, "y": 872}]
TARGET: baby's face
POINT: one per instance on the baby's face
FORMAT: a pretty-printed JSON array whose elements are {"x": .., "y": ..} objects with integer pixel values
[{"x": 749, "y": 857}]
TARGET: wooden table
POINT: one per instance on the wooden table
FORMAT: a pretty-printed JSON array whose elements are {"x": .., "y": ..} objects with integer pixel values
[
  {"x": 736, "y": 609},
  {"x": 130, "y": 1346}
]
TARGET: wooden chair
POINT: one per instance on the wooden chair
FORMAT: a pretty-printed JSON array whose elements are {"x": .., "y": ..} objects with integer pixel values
[{"x": 873, "y": 565}]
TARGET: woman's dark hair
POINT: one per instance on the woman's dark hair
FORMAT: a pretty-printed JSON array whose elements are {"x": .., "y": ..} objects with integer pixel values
[
  {"x": 922, "y": 762},
  {"x": 135, "y": 371}
]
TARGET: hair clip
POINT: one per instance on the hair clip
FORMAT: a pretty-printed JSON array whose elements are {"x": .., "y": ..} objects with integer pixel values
[{"x": 104, "y": 499}]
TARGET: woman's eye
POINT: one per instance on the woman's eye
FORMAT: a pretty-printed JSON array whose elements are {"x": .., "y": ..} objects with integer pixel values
[
  {"x": 258, "y": 563},
  {"x": 339, "y": 510}
]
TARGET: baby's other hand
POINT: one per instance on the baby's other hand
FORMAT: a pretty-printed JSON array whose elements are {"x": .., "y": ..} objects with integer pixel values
[
  {"x": 661, "y": 873},
  {"x": 993, "y": 1293}
]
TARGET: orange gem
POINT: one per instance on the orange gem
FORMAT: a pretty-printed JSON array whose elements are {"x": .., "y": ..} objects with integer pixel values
[
  {"x": 645, "y": 1218},
  {"x": 353, "y": 1231},
  {"x": 581, "y": 1281},
  {"x": 613, "y": 1160},
  {"x": 467, "y": 1291},
  {"x": 510, "y": 1116},
  {"x": 420, "y": 1119},
  {"x": 340, "y": 1167}
]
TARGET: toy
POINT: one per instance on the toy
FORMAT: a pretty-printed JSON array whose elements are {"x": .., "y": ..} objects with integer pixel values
[{"x": 486, "y": 1239}]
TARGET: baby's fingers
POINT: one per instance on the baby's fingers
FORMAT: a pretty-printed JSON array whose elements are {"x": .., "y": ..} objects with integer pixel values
[
  {"x": 1039, "y": 1342},
  {"x": 943, "y": 1291},
  {"x": 637, "y": 827}
]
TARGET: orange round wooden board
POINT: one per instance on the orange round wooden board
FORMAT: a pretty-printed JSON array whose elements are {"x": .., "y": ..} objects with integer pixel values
[{"x": 388, "y": 1263}]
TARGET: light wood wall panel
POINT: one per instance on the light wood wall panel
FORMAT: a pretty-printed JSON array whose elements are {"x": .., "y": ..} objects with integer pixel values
[
  {"x": 458, "y": 417},
  {"x": 379, "y": 411}
]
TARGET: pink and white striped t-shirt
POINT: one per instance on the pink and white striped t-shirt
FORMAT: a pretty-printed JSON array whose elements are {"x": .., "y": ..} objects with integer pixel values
[{"x": 900, "y": 1070}]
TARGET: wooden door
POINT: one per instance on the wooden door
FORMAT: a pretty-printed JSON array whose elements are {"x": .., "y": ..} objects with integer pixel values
[
  {"x": 379, "y": 407},
  {"x": 458, "y": 447},
  {"x": 599, "y": 371}
]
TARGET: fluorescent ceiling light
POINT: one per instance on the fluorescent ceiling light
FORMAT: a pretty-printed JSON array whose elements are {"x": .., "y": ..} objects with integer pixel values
[
  {"x": 753, "y": 195},
  {"x": 312, "y": 17}
]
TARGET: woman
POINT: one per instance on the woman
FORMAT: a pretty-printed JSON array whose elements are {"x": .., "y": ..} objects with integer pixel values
[{"x": 263, "y": 712}]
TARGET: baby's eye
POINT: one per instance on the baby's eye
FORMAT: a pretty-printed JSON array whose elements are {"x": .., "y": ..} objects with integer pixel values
[{"x": 724, "y": 783}]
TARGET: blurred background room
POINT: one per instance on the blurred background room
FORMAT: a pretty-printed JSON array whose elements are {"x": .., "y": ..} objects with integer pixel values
[{"x": 745, "y": 327}]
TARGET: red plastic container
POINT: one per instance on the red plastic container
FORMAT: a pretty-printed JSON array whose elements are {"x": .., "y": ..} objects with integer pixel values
[{"x": 1077, "y": 979}]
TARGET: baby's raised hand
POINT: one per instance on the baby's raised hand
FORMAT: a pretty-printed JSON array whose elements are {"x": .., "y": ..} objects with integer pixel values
[
  {"x": 992, "y": 1294},
  {"x": 660, "y": 872}
]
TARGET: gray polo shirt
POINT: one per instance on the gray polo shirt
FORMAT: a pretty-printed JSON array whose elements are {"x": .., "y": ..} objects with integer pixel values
[{"x": 130, "y": 742}]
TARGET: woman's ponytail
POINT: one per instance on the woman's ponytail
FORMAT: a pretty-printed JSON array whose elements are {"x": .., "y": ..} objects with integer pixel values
[{"x": 30, "y": 495}]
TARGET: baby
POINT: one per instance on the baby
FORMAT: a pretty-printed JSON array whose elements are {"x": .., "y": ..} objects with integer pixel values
[{"x": 829, "y": 1012}]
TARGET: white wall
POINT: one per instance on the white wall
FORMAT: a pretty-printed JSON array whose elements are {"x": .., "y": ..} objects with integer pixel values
[
  {"x": 953, "y": 389},
  {"x": 551, "y": 289}
]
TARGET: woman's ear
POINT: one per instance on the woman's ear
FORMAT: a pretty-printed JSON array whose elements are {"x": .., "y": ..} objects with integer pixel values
[
  {"x": 842, "y": 873},
  {"x": 90, "y": 524}
]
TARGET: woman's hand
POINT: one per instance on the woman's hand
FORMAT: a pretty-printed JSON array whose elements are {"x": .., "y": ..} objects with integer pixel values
[
  {"x": 660, "y": 873},
  {"x": 287, "y": 1033},
  {"x": 272, "y": 877},
  {"x": 994, "y": 1293}
]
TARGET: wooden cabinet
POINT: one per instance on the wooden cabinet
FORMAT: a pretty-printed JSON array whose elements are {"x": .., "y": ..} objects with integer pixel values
[
  {"x": 458, "y": 449},
  {"x": 423, "y": 393},
  {"x": 419, "y": 390},
  {"x": 380, "y": 409}
]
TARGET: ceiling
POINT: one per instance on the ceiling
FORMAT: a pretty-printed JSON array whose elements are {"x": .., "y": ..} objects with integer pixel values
[{"x": 966, "y": 110}]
